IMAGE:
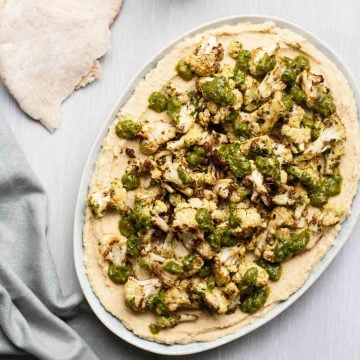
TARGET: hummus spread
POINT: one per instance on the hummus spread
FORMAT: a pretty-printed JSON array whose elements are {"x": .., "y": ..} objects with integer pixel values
[{"x": 114, "y": 158}]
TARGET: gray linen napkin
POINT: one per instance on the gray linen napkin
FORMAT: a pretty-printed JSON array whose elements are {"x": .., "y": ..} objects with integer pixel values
[{"x": 31, "y": 302}]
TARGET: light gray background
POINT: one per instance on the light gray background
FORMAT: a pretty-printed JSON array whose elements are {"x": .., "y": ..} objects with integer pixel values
[{"x": 325, "y": 322}]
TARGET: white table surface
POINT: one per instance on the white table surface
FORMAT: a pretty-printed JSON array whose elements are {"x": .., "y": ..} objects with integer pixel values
[{"x": 325, "y": 322}]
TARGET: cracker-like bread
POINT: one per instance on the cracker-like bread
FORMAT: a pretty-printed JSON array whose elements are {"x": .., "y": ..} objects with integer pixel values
[{"x": 49, "y": 48}]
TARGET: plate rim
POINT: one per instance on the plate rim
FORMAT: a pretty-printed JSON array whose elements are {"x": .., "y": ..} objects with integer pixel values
[{"x": 110, "y": 321}]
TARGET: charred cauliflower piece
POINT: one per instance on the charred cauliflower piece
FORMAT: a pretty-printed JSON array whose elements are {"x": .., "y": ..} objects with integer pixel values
[
  {"x": 222, "y": 188},
  {"x": 313, "y": 85},
  {"x": 118, "y": 195},
  {"x": 165, "y": 322},
  {"x": 137, "y": 292},
  {"x": 113, "y": 248},
  {"x": 259, "y": 189},
  {"x": 270, "y": 112},
  {"x": 251, "y": 274},
  {"x": 281, "y": 217},
  {"x": 206, "y": 57},
  {"x": 258, "y": 145},
  {"x": 333, "y": 158},
  {"x": 283, "y": 154},
  {"x": 112, "y": 197},
  {"x": 181, "y": 111},
  {"x": 98, "y": 202},
  {"x": 185, "y": 214},
  {"x": 185, "y": 120},
  {"x": 216, "y": 300},
  {"x": 167, "y": 270},
  {"x": 234, "y": 49},
  {"x": 214, "y": 297},
  {"x": 328, "y": 136},
  {"x": 262, "y": 60},
  {"x": 226, "y": 262},
  {"x": 332, "y": 215},
  {"x": 176, "y": 298},
  {"x": 192, "y": 137},
  {"x": 293, "y": 130},
  {"x": 251, "y": 97},
  {"x": 154, "y": 134},
  {"x": 272, "y": 81},
  {"x": 249, "y": 217},
  {"x": 185, "y": 219}
]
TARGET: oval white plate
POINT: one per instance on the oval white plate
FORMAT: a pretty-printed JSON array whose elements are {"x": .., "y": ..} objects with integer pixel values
[{"x": 111, "y": 322}]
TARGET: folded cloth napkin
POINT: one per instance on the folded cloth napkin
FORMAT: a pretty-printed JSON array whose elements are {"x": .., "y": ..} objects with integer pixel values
[{"x": 31, "y": 303}]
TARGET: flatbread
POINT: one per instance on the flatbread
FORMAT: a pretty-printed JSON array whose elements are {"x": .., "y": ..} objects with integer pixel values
[{"x": 49, "y": 48}]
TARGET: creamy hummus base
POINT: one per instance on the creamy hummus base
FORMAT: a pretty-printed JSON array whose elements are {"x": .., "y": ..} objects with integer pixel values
[{"x": 112, "y": 162}]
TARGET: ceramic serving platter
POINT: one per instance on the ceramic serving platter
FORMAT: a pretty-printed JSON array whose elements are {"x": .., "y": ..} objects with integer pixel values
[{"x": 111, "y": 322}]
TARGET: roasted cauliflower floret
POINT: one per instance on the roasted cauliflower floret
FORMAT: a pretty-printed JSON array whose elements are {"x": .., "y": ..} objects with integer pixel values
[
  {"x": 192, "y": 137},
  {"x": 313, "y": 85},
  {"x": 251, "y": 274},
  {"x": 230, "y": 257},
  {"x": 205, "y": 178},
  {"x": 251, "y": 97},
  {"x": 332, "y": 215},
  {"x": 98, "y": 201},
  {"x": 155, "y": 133},
  {"x": 226, "y": 262},
  {"x": 221, "y": 274},
  {"x": 160, "y": 223},
  {"x": 300, "y": 135},
  {"x": 259, "y": 145},
  {"x": 259, "y": 189},
  {"x": 184, "y": 219},
  {"x": 206, "y": 57},
  {"x": 223, "y": 112},
  {"x": 216, "y": 300},
  {"x": 118, "y": 194},
  {"x": 181, "y": 111},
  {"x": 227, "y": 71},
  {"x": 113, "y": 248},
  {"x": 262, "y": 60},
  {"x": 234, "y": 49},
  {"x": 165, "y": 322},
  {"x": 272, "y": 81},
  {"x": 214, "y": 297},
  {"x": 249, "y": 220},
  {"x": 326, "y": 139},
  {"x": 222, "y": 188},
  {"x": 249, "y": 217},
  {"x": 232, "y": 294},
  {"x": 186, "y": 119},
  {"x": 167, "y": 270},
  {"x": 270, "y": 112},
  {"x": 137, "y": 292},
  {"x": 334, "y": 156},
  {"x": 306, "y": 173},
  {"x": 289, "y": 195},
  {"x": 205, "y": 250},
  {"x": 185, "y": 214},
  {"x": 279, "y": 217},
  {"x": 111, "y": 197},
  {"x": 283, "y": 154},
  {"x": 294, "y": 131},
  {"x": 176, "y": 298},
  {"x": 175, "y": 173},
  {"x": 159, "y": 208}
]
